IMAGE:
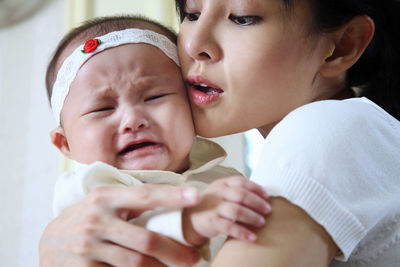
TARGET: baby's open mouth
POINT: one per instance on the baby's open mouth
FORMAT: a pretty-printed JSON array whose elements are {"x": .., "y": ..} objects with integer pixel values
[{"x": 136, "y": 146}]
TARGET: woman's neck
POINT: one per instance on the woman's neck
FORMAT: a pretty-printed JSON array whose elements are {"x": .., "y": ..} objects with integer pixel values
[{"x": 347, "y": 92}]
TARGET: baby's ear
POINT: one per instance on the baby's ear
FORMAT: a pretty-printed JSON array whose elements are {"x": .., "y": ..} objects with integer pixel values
[
  {"x": 350, "y": 41},
  {"x": 58, "y": 139}
]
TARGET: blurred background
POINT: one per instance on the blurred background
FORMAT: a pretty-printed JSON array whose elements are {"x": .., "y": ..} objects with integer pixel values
[{"x": 29, "y": 33}]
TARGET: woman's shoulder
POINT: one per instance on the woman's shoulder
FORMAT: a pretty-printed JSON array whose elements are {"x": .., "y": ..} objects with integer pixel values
[
  {"x": 335, "y": 120},
  {"x": 344, "y": 112},
  {"x": 330, "y": 134}
]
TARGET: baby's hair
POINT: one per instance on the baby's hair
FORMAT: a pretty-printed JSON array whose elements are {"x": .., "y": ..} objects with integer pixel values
[
  {"x": 98, "y": 27},
  {"x": 377, "y": 72}
]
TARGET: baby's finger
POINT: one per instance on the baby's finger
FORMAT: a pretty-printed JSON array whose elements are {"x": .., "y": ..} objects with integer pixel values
[
  {"x": 242, "y": 182},
  {"x": 247, "y": 198},
  {"x": 238, "y": 213},
  {"x": 235, "y": 230}
]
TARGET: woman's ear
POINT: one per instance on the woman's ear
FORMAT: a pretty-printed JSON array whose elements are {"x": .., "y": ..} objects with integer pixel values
[
  {"x": 350, "y": 41},
  {"x": 58, "y": 139}
]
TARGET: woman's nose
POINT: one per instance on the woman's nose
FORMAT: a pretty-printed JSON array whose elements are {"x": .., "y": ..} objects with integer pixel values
[
  {"x": 201, "y": 42},
  {"x": 132, "y": 120}
]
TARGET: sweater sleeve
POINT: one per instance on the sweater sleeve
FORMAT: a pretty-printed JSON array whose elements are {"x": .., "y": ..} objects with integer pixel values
[{"x": 338, "y": 161}]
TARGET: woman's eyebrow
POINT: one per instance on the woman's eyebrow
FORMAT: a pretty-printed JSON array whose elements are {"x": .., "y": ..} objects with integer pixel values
[
  {"x": 254, "y": 4},
  {"x": 245, "y": 2}
]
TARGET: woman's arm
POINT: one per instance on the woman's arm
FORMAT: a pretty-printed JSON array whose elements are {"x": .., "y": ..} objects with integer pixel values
[
  {"x": 95, "y": 232},
  {"x": 289, "y": 238}
]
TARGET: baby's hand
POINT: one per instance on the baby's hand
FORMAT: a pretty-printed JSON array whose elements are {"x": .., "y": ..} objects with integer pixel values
[{"x": 232, "y": 206}]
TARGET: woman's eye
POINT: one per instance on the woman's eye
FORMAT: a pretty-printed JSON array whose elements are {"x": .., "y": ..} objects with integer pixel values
[
  {"x": 244, "y": 20},
  {"x": 192, "y": 16}
]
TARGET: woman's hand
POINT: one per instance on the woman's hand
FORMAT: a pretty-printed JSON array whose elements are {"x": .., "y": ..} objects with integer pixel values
[
  {"x": 95, "y": 232},
  {"x": 234, "y": 206}
]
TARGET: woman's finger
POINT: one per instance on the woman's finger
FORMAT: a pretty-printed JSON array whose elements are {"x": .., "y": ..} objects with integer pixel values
[
  {"x": 144, "y": 197},
  {"x": 242, "y": 182},
  {"x": 115, "y": 255},
  {"x": 234, "y": 230},
  {"x": 246, "y": 198},
  {"x": 238, "y": 213},
  {"x": 150, "y": 243}
]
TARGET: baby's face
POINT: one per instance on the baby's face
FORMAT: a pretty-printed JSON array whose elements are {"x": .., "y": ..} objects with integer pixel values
[{"x": 128, "y": 107}]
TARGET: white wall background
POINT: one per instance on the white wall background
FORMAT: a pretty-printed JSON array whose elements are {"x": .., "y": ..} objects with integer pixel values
[{"x": 28, "y": 163}]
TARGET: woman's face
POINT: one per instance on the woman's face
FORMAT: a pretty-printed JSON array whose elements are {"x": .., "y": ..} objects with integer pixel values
[{"x": 248, "y": 63}]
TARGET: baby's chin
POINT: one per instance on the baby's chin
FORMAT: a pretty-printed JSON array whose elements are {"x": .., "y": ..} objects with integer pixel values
[{"x": 146, "y": 164}]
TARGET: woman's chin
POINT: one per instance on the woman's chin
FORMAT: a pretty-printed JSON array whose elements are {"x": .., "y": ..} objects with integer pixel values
[{"x": 205, "y": 128}]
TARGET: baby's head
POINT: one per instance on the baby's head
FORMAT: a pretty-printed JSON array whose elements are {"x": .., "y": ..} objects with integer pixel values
[{"x": 123, "y": 101}]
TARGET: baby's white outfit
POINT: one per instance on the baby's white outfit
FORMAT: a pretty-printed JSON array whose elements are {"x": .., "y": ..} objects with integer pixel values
[
  {"x": 339, "y": 160},
  {"x": 205, "y": 158}
]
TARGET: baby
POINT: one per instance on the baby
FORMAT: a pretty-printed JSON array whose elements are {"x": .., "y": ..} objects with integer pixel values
[{"x": 121, "y": 107}]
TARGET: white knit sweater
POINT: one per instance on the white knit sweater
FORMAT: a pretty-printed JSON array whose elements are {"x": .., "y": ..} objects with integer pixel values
[{"x": 340, "y": 162}]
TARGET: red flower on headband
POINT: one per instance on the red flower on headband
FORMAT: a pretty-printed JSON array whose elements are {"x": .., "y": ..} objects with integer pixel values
[{"x": 90, "y": 46}]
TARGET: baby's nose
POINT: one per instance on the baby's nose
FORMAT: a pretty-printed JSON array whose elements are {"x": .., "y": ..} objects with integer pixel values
[{"x": 133, "y": 120}]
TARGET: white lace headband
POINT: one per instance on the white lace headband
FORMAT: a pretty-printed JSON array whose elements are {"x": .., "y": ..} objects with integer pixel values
[{"x": 80, "y": 55}]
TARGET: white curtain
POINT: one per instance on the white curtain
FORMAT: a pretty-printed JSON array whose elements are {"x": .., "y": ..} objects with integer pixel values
[{"x": 29, "y": 163}]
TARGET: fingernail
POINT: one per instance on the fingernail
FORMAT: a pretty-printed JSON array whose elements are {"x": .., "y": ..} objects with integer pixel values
[
  {"x": 267, "y": 208},
  {"x": 190, "y": 194},
  {"x": 251, "y": 237},
  {"x": 265, "y": 193},
  {"x": 262, "y": 221}
]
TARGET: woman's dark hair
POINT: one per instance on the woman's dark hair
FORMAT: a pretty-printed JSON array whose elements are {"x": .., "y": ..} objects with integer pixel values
[{"x": 377, "y": 72}]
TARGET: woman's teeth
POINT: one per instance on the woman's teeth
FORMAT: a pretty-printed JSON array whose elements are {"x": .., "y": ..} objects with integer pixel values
[
  {"x": 206, "y": 89},
  {"x": 201, "y": 86}
]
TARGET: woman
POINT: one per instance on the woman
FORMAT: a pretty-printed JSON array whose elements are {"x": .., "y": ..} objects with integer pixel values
[
  {"x": 332, "y": 165},
  {"x": 266, "y": 65}
]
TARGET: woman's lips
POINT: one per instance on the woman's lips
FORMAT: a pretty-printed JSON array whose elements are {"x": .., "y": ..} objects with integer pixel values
[
  {"x": 201, "y": 98},
  {"x": 203, "y": 92}
]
